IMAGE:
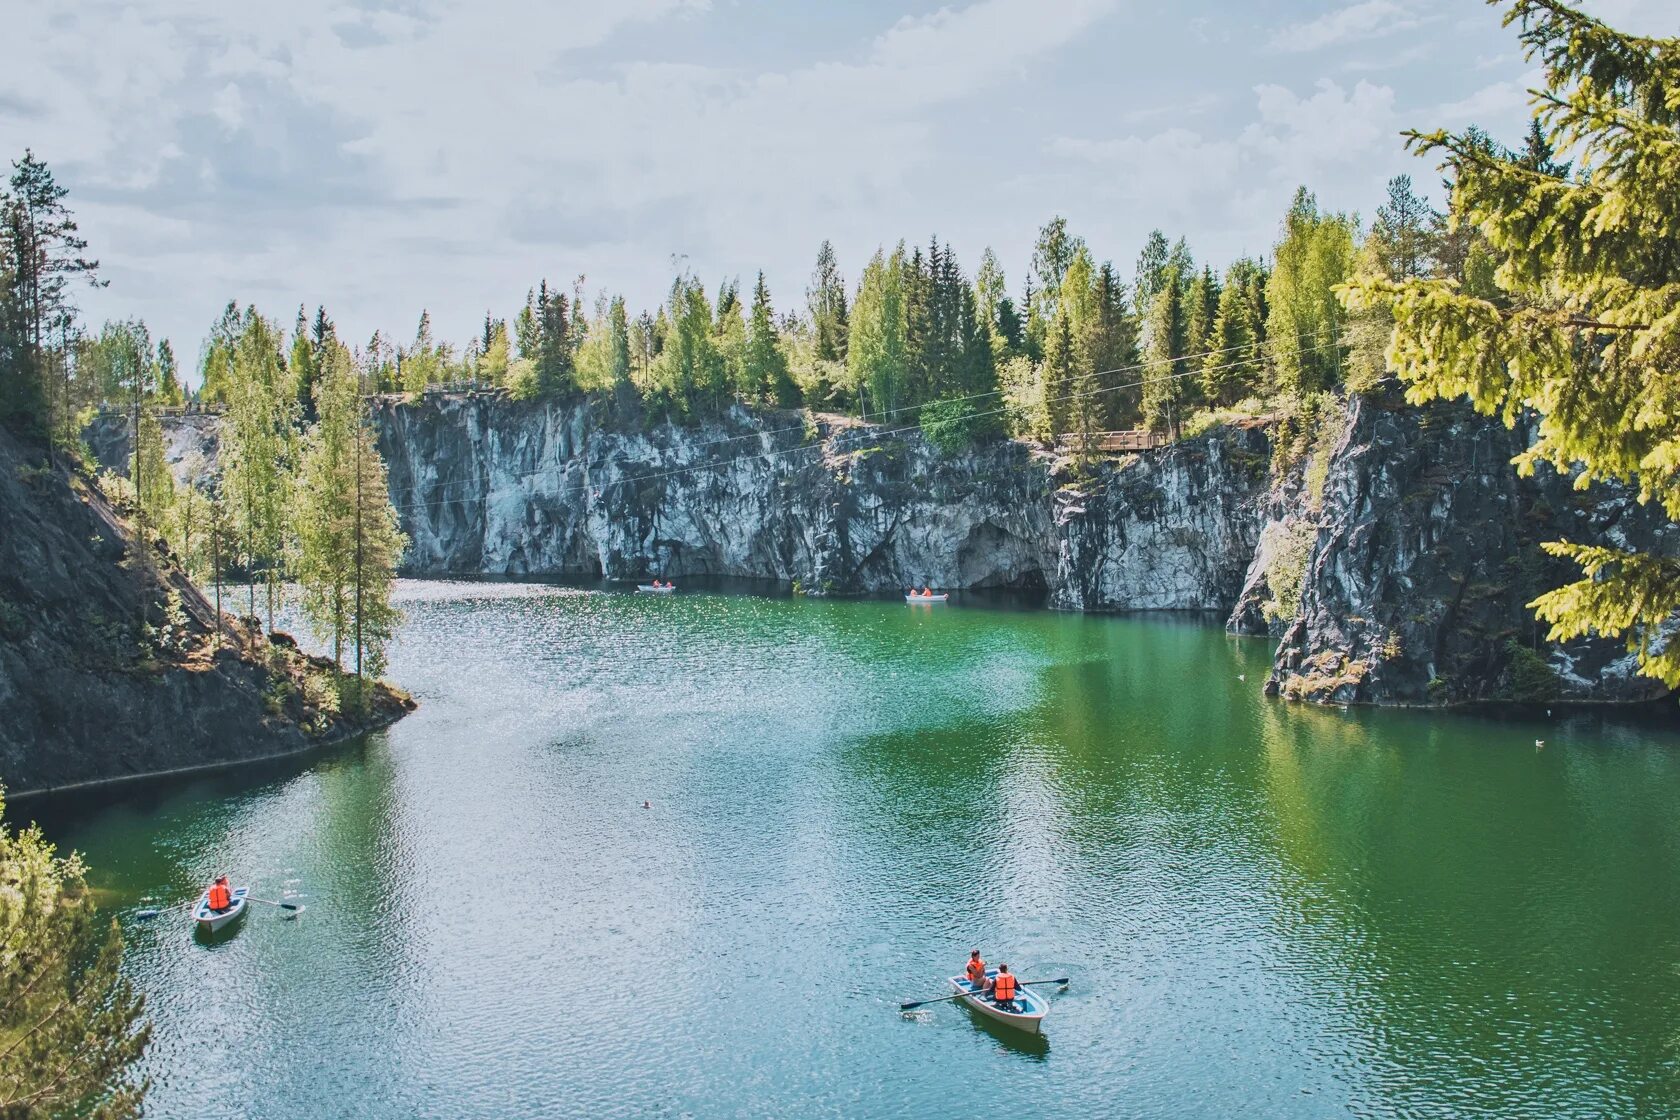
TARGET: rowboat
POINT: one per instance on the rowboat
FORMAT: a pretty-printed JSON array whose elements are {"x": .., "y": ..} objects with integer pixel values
[
  {"x": 209, "y": 921},
  {"x": 914, "y": 598},
  {"x": 649, "y": 589},
  {"x": 1030, "y": 1006}
]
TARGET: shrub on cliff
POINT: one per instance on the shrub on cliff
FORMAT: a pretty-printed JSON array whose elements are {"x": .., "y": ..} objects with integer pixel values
[{"x": 952, "y": 426}]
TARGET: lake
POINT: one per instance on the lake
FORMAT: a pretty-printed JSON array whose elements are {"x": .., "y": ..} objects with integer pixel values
[{"x": 1265, "y": 909}]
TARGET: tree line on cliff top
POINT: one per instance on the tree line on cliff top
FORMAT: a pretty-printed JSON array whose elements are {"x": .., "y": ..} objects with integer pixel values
[{"x": 1552, "y": 288}]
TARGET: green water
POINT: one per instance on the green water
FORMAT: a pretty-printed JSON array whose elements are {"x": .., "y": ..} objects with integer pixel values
[{"x": 1266, "y": 910}]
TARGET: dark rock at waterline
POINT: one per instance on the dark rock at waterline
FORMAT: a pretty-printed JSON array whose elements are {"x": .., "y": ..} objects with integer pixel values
[
  {"x": 109, "y": 667},
  {"x": 1409, "y": 544},
  {"x": 1426, "y": 555}
]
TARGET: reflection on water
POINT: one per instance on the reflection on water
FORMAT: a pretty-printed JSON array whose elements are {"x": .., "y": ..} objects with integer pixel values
[{"x": 1266, "y": 910}]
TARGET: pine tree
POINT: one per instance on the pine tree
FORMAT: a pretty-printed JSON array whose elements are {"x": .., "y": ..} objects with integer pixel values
[
  {"x": 766, "y": 363},
  {"x": 1053, "y": 255},
  {"x": 74, "y": 1026},
  {"x": 1584, "y": 326},
  {"x": 1201, "y": 306},
  {"x": 1166, "y": 370},
  {"x": 554, "y": 356},
  {"x": 826, "y": 302},
  {"x": 1151, "y": 269},
  {"x": 300, "y": 366},
  {"x": 1401, "y": 238},
  {"x": 40, "y": 254},
  {"x": 1232, "y": 362},
  {"x": 1111, "y": 347},
  {"x": 1061, "y": 369}
]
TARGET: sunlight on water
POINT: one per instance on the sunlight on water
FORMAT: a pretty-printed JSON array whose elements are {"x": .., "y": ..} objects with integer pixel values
[{"x": 1266, "y": 910}]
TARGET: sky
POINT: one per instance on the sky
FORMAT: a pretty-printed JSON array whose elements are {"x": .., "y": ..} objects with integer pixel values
[{"x": 384, "y": 156}]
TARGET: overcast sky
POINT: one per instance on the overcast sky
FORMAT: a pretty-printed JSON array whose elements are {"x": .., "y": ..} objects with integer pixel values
[{"x": 380, "y": 157}]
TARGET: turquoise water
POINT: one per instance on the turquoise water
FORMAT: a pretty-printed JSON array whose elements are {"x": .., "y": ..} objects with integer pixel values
[{"x": 1265, "y": 909}]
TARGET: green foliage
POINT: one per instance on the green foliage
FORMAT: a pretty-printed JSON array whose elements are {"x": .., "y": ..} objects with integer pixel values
[
  {"x": 257, "y": 452},
  {"x": 40, "y": 255},
  {"x": 1287, "y": 547},
  {"x": 74, "y": 1027},
  {"x": 1583, "y": 326},
  {"x": 1232, "y": 358},
  {"x": 1529, "y": 680},
  {"x": 1166, "y": 397},
  {"x": 826, "y": 302},
  {"x": 875, "y": 358},
  {"x": 952, "y": 426},
  {"x": 1304, "y": 332},
  {"x": 347, "y": 545}
]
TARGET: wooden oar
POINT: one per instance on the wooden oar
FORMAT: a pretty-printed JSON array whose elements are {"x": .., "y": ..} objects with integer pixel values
[
  {"x": 267, "y": 902},
  {"x": 960, "y": 995}
]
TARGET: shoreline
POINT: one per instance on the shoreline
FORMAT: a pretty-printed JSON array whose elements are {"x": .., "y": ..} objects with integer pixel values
[{"x": 15, "y": 796}]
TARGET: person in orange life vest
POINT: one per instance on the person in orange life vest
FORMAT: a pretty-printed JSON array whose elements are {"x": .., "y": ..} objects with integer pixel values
[
  {"x": 976, "y": 971},
  {"x": 221, "y": 895},
  {"x": 1004, "y": 988},
  {"x": 927, "y": 592}
]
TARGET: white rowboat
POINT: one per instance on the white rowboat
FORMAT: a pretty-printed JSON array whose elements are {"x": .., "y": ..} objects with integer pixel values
[
  {"x": 1031, "y": 1008},
  {"x": 925, "y": 598},
  {"x": 649, "y": 589},
  {"x": 209, "y": 921}
]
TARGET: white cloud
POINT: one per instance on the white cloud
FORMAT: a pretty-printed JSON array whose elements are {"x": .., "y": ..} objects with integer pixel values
[{"x": 1370, "y": 19}]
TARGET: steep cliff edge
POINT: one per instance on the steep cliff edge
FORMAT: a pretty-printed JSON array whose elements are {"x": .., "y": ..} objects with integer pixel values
[
  {"x": 1392, "y": 553},
  {"x": 487, "y": 485},
  {"x": 1426, "y": 554},
  {"x": 109, "y": 667}
]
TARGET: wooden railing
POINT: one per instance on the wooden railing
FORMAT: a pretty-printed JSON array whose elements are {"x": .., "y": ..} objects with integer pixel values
[{"x": 1138, "y": 439}]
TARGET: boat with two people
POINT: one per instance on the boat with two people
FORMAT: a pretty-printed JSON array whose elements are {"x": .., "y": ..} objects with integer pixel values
[
  {"x": 657, "y": 588},
  {"x": 925, "y": 595},
  {"x": 998, "y": 994}
]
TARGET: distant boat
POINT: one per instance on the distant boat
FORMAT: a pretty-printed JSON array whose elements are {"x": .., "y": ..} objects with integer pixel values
[
  {"x": 1033, "y": 1007},
  {"x": 915, "y": 598},
  {"x": 209, "y": 921},
  {"x": 649, "y": 589}
]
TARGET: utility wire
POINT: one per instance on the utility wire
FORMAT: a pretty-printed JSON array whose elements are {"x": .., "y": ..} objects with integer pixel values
[
  {"x": 822, "y": 444},
  {"x": 763, "y": 433}
]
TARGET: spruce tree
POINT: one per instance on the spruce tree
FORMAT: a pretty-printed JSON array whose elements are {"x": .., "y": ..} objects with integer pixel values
[
  {"x": 1151, "y": 269},
  {"x": 1061, "y": 370},
  {"x": 1165, "y": 371},
  {"x": 767, "y": 366},
  {"x": 1583, "y": 328},
  {"x": 825, "y": 299}
]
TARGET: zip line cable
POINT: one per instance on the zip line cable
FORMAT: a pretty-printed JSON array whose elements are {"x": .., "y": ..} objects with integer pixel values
[
  {"x": 822, "y": 444},
  {"x": 1134, "y": 367},
  {"x": 1147, "y": 363}
]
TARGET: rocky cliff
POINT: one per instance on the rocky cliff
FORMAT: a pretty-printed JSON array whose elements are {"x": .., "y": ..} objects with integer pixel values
[
  {"x": 113, "y": 665},
  {"x": 487, "y": 485},
  {"x": 1391, "y": 549},
  {"x": 1426, "y": 552}
]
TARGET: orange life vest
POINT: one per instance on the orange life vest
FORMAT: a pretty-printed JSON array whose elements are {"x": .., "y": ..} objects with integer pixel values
[
  {"x": 220, "y": 897},
  {"x": 1003, "y": 988},
  {"x": 976, "y": 971}
]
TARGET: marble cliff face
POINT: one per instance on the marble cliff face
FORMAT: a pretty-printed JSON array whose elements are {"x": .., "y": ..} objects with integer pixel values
[{"x": 1416, "y": 542}]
